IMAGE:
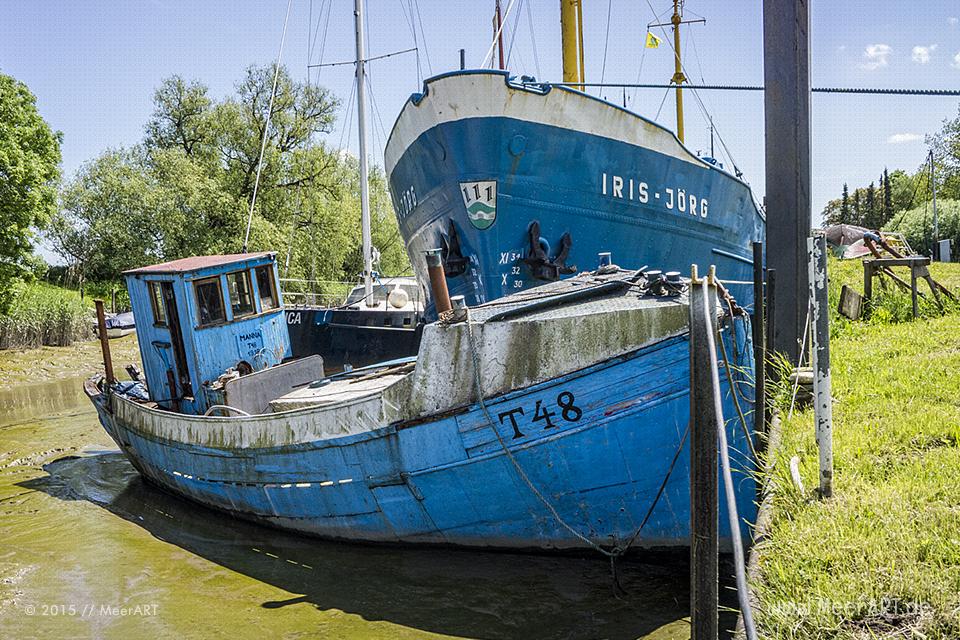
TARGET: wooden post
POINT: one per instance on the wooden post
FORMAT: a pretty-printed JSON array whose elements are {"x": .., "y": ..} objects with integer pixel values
[
  {"x": 867, "y": 279},
  {"x": 104, "y": 342},
  {"x": 704, "y": 571},
  {"x": 759, "y": 343},
  {"x": 913, "y": 289},
  {"x": 786, "y": 72},
  {"x": 820, "y": 323}
]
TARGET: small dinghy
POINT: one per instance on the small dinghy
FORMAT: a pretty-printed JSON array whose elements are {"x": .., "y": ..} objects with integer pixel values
[{"x": 555, "y": 418}]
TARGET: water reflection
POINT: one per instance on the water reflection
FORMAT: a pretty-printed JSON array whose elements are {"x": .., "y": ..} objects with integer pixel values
[{"x": 450, "y": 592}]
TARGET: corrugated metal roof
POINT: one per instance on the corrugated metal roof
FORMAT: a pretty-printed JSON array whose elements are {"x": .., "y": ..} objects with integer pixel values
[{"x": 195, "y": 263}]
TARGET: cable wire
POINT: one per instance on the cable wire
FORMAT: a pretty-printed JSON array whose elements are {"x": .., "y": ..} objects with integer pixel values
[{"x": 266, "y": 127}]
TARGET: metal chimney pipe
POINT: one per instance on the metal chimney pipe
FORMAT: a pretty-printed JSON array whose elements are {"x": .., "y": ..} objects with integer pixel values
[{"x": 438, "y": 281}]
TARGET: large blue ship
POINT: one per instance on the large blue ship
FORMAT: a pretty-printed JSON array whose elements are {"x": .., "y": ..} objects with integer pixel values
[{"x": 522, "y": 183}]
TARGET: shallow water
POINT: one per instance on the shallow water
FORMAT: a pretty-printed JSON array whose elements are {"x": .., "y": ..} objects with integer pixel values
[{"x": 87, "y": 549}]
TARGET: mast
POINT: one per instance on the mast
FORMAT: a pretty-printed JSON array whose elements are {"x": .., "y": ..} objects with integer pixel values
[
  {"x": 571, "y": 31},
  {"x": 498, "y": 34},
  {"x": 364, "y": 187},
  {"x": 678, "y": 77},
  {"x": 936, "y": 222}
]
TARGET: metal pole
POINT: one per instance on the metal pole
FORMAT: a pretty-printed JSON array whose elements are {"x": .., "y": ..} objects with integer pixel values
[
  {"x": 759, "y": 343},
  {"x": 936, "y": 219},
  {"x": 364, "y": 187},
  {"x": 463, "y": 59},
  {"x": 104, "y": 342},
  {"x": 704, "y": 570},
  {"x": 771, "y": 308},
  {"x": 786, "y": 72},
  {"x": 823, "y": 404}
]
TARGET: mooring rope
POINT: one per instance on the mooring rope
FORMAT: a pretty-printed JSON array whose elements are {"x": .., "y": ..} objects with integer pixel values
[{"x": 616, "y": 551}]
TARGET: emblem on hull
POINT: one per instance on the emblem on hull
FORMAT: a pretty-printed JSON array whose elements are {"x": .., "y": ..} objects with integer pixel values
[{"x": 480, "y": 199}]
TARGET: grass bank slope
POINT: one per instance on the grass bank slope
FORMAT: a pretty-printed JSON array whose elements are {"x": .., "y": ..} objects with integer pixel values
[{"x": 882, "y": 558}]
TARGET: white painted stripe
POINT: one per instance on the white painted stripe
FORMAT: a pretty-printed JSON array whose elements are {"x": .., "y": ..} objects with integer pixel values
[{"x": 487, "y": 95}]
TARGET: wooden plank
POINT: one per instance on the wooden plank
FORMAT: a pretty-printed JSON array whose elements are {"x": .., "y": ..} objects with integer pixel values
[{"x": 851, "y": 303}]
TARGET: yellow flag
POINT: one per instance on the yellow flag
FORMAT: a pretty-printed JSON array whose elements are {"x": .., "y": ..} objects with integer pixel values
[{"x": 652, "y": 41}]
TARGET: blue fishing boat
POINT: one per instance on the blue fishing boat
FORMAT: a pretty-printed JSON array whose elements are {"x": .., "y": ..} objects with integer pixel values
[{"x": 552, "y": 419}]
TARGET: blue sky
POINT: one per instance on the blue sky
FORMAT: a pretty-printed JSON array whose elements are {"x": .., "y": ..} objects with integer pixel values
[{"x": 94, "y": 65}]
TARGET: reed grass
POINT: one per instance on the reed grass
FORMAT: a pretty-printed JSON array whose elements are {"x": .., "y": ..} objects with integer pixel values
[{"x": 44, "y": 314}]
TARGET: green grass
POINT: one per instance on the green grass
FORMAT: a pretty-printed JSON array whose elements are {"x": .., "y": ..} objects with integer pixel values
[
  {"x": 881, "y": 559},
  {"x": 44, "y": 314}
]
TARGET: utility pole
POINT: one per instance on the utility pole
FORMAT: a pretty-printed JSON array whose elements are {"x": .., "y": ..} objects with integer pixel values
[{"x": 786, "y": 72}]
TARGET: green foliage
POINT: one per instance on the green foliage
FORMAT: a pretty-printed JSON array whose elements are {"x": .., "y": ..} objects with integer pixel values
[
  {"x": 879, "y": 559},
  {"x": 917, "y": 224},
  {"x": 186, "y": 190},
  {"x": 43, "y": 314},
  {"x": 29, "y": 172}
]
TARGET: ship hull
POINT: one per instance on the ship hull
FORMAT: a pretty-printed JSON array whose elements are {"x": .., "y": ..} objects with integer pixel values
[
  {"x": 575, "y": 164},
  {"x": 615, "y": 460}
]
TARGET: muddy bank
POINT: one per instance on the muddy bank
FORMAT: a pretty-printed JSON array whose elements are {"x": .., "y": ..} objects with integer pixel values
[{"x": 44, "y": 364}]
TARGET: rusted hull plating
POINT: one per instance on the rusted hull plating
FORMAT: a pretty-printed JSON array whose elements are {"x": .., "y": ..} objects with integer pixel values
[{"x": 596, "y": 443}]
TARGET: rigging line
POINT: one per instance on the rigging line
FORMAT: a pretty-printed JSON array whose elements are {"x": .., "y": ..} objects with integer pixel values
[
  {"x": 496, "y": 36},
  {"x": 312, "y": 39},
  {"x": 606, "y": 41},
  {"x": 423, "y": 35},
  {"x": 533, "y": 39},
  {"x": 660, "y": 108},
  {"x": 266, "y": 126},
  {"x": 513, "y": 36},
  {"x": 346, "y": 62},
  {"x": 744, "y": 87},
  {"x": 916, "y": 186},
  {"x": 346, "y": 120},
  {"x": 323, "y": 41},
  {"x": 413, "y": 31}
]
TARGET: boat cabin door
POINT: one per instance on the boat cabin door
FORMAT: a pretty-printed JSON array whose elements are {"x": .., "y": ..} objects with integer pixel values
[{"x": 179, "y": 381}]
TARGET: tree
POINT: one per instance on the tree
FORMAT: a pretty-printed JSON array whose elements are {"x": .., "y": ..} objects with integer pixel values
[
  {"x": 945, "y": 145},
  {"x": 870, "y": 217},
  {"x": 845, "y": 205},
  {"x": 887, "y": 197},
  {"x": 29, "y": 172},
  {"x": 186, "y": 190}
]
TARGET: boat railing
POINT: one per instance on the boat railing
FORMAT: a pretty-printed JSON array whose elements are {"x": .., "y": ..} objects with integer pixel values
[{"x": 323, "y": 293}]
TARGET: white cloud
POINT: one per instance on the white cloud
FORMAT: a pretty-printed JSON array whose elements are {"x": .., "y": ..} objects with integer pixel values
[
  {"x": 875, "y": 56},
  {"x": 842, "y": 48},
  {"x": 901, "y": 138},
  {"x": 956, "y": 61},
  {"x": 952, "y": 21},
  {"x": 922, "y": 54}
]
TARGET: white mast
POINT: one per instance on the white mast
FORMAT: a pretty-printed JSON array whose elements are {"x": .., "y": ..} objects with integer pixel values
[{"x": 364, "y": 188}]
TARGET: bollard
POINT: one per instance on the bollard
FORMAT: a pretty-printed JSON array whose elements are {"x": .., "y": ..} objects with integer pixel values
[
  {"x": 704, "y": 570},
  {"x": 820, "y": 322},
  {"x": 104, "y": 342},
  {"x": 438, "y": 281}
]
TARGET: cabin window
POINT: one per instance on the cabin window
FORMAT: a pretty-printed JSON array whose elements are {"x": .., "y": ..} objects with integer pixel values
[
  {"x": 267, "y": 287},
  {"x": 241, "y": 293},
  {"x": 156, "y": 301},
  {"x": 209, "y": 301}
]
